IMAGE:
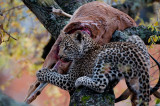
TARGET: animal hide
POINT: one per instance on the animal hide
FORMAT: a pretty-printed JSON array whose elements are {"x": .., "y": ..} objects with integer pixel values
[{"x": 96, "y": 18}]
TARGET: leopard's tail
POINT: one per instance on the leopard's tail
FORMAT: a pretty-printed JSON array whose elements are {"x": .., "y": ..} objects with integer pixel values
[{"x": 156, "y": 87}]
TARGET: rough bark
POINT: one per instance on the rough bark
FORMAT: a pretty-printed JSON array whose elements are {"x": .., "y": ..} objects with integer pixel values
[
  {"x": 132, "y": 7},
  {"x": 86, "y": 97},
  {"x": 54, "y": 24},
  {"x": 51, "y": 22},
  {"x": 141, "y": 31}
]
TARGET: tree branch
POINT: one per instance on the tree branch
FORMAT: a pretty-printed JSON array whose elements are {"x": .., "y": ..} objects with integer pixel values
[
  {"x": 61, "y": 13},
  {"x": 86, "y": 97},
  {"x": 143, "y": 32},
  {"x": 51, "y": 22},
  {"x": 16, "y": 7},
  {"x": 132, "y": 7},
  {"x": 10, "y": 36}
]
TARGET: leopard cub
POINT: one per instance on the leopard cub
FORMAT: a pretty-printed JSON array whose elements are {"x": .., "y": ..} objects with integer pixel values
[{"x": 107, "y": 64}]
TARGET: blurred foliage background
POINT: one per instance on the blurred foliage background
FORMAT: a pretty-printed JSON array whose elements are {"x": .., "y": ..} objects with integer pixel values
[
  {"x": 29, "y": 38},
  {"x": 22, "y": 39}
]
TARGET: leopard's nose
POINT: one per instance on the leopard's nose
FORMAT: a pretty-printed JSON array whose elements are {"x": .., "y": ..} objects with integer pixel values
[{"x": 60, "y": 57}]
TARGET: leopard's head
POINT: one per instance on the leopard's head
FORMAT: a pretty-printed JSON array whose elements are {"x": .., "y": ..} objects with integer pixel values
[{"x": 75, "y": 45}]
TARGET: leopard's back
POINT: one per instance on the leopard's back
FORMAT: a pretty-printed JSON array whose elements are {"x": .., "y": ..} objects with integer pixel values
[{"x": 119, "y": 60}]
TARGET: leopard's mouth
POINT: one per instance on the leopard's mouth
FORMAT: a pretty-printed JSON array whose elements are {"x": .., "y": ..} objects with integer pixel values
[{"x": 65, "y": 60}]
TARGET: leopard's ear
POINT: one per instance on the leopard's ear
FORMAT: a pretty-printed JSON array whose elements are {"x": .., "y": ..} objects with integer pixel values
[
  {"x": 62, "y": 33},
  {"x": 79, "y": 36}
]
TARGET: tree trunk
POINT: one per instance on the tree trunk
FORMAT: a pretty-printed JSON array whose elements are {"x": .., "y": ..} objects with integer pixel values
[{"x": 54, "y": 23}]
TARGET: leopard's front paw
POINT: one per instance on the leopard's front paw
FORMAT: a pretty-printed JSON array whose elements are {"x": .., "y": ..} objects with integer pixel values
[
  {"x": 42, "y": 75},
  {"x": 79, "y": 81}
]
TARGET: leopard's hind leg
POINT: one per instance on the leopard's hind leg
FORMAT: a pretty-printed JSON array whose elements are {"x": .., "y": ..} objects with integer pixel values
[
  {"x": 100, "y": 80},
  {"x": 140, "y": 88}
]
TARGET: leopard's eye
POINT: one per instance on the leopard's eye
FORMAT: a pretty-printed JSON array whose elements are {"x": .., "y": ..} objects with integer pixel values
[{"x": 65, "y": 44}]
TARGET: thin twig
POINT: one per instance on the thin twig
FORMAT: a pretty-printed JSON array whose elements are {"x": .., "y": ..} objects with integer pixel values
[
  {"x": 8, "y": 34},
  {"x": 9, "y": 19},
  {"x": 19, "y": 7}
]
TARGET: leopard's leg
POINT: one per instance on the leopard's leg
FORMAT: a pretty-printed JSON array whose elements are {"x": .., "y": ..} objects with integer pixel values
[
  {"x": 95, "y": 84},
  {"x": 99, "y": 81},
  {"x": 102, "y": 75},
  {"x": 63, "y": 81},
  {"x": 140, "y": 88}
]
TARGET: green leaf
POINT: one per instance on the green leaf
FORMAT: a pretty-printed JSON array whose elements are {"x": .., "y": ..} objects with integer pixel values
[
  {"x": 157, "y": 101},
  {"x": 149, "y": 40}
]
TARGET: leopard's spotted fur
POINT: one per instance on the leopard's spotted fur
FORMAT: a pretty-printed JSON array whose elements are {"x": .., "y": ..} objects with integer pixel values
[{"x": 107, "y": 64}]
